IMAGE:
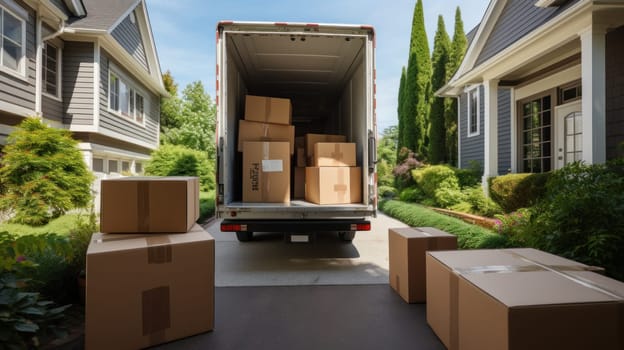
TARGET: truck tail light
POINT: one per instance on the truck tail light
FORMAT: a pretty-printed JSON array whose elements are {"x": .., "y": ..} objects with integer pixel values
[
  {"x": 361, "y": 227},
  {"x": 230, "y": 227}
]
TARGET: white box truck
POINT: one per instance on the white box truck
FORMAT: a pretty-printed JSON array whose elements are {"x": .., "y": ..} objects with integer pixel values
[{"x": 328, "y": 73}]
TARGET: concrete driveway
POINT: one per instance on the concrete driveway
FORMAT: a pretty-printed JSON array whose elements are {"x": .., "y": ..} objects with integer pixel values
[{"x": 269, "y": 261}]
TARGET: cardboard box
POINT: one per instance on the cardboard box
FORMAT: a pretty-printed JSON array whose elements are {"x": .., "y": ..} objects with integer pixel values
[
  {"x": 300, "y": 157},
  {"x": 539, "y": 310},
  {"x": 268, "y": 110},
  {"x": 445, "y": 269},
  {"x": 407, "y": 247},
  {"x": 299, "y": 183},
  {"x": 312, "y": 139},
  {"x": 149, "y": 204},
  {"x": 144, "y": 290},
  {"x": 333, "y": 185},
  {"x": 334, "y": 154},
  {"x": 254, "y": 131},
  {"x": 266, "y": 172}
]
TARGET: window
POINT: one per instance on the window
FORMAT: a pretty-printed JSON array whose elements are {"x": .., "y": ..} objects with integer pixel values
[
  {"x": 12, "y": 41},
  {"x": 51, "y": 62},
  {"x": 473, "y": 112},
  {"x": 125, "y": 166},
  {"x": 98, "y": 165},
  {"x": 138, "y": 168},
  {"x": 536, "y": 136},
  {"x": 124, "y": 99},
  {"x": 113, "y": 166},
  {"x": 570, "y": 93}
]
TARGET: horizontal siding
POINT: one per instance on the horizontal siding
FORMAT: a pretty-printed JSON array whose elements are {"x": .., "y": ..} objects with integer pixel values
[
  {"x": 116, "y": 123},
  {"x": 504, "y": 131},
  {"x": 518, "y": 18},
  {"x": 615, "y": 93},
  {"x": 128, "y": 35},
  {"x": 52, "y": 109},
  {"x": 472, "y": 148},
  {"x": 15, "y": 90},
  {"x": 78, "y": 83}
]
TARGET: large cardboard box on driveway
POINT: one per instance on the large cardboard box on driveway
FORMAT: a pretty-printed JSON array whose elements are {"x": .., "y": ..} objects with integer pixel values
[
  {"x": 144, "y": 290},
  {"x": 406, "y": 251},
  {"x": 449, "y": 313},
  {"x": 266, "y": 172},
  {"x": 149, "y": 204}
]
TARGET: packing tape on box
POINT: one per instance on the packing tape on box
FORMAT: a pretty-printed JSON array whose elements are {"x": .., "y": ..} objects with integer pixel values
[
  {"x": 159, "y": 250},
  {"x": 337, "y": 153},
  {"x": 156, "y": 313},
  {"x": 340, "y": 187},
  {"x": 143, "y": 212}
]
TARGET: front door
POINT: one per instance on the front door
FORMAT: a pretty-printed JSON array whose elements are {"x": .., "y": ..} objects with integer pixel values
[{"x": 569, "y": 134}]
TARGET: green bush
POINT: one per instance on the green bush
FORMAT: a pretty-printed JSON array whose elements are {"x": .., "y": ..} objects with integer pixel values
[
  {"x": 387, "y": 192},
  {"x": 412, "y": 194},
  {"x": 469, "y": 177},
  {"x": 479, "y": 203},
  {"x": 25, "y": 319},
  {"x": 448, "y": 197},
  {"x": 581, "y": 216},
  {"x": 175, "y": 160},
  {"x": 514, "y": 225},
  {"x": 206, "y": 205},
  {"x": 439, "y": 184},
  {"x": 468, "y": 236},
  {"x": 515, "y": 191},
  {"x": 42, "y": 173}
]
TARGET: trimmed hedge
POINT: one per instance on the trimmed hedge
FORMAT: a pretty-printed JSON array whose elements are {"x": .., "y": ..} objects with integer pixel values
[
  {"x": 468, "y": 236},
  {"x": 515, "y": 191}
]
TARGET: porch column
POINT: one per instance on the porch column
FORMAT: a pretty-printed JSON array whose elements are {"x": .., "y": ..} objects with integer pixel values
[
  {"x": 594, "y": 94},
  {"x": 490, "y": 161}
]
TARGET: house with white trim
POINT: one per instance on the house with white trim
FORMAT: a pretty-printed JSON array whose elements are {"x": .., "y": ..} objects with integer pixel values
[
  {"x": 88, "y": 66},
  {"x": 541, "y": 85}
]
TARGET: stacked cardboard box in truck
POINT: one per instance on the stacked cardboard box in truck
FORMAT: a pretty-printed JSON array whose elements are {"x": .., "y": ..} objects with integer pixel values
[
  {"x": 333, "y": 178},
  {"x": 168, "y": 301}
]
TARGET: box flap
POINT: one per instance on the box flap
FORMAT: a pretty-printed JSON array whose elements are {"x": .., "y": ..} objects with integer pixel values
[
  {"x": 420, "y": 232},
  {"x": 524, "y": 289}
]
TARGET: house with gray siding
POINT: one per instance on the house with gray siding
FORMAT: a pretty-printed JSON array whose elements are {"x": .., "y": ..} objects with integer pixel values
[
  {"x": 88, "y": 66},
  {"x": 541, "y": 86}
]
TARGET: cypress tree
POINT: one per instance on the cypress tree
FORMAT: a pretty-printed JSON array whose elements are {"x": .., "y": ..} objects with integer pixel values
[
  {"x": 417, "y": 86},
  {"x": 400, "y": 111},
  {"x": 437, "y": 132},
  {"x": 458, "y": 49}
]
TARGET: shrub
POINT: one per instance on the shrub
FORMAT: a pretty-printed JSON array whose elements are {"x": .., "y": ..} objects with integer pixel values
[
  {"x": 439, "y": 184},
  {"x": 515, "y": 191},
  {"x": 402, "y": 172},
  {"x": 42, "y": 173},
  {"x": 469, "y": 177},
  {"x": 25, "y": 319},
  {"x": 468, "y": 236},
  {"x": 448, "y": 197},
  {"x": 412, "y": 194},
  {"x": 480, "y": 204},
  {"x": 387, "y": 192},
  {"x": 175, "y": 160},
  {"x": 581, "y": 215},
  {"x": 384, "y": 174},
  {"x": 513, "y": 225}
]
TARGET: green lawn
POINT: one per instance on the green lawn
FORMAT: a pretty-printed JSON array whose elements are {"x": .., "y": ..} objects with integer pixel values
[
  {"x": 468, "y": 236},
  {"x": 61, "y": 225}
]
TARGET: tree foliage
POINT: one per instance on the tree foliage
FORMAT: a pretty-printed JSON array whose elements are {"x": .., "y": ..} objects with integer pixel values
[
  {"x": 193, "y": 124},
  {"x": 178, "y": 160},
  {"x": 169, "y": 106},
  {"x": 386, "y": 155},
  {"x": 401, "y": 111},
  {"x": 418, "y": 86},
  {"x": 437, "y": 131},
  {"x": 458, "y": 49},
  {"x": 42, "y": 174}
]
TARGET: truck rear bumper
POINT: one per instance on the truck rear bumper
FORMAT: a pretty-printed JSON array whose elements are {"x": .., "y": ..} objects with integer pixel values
[{"x": 298, "y": 226}]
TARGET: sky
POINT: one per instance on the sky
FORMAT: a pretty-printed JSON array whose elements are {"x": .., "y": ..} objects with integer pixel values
[{"x": 184, "y": 32}]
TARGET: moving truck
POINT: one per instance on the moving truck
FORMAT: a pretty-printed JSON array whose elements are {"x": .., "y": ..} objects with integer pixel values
[{"x": 327, "y": 71}]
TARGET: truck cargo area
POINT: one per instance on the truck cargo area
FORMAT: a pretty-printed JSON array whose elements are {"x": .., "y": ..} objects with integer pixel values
[{"x": 327, "y": 73}]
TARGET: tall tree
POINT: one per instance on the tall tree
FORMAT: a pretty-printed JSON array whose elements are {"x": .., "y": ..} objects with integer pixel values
[
  {"x": 417, "y": 85},
  {"x": 440, "y": 58},
  {"x": 401, "y": 111},
  {"x": 169, "y": 106},
  {"x": 194, "y": 127},
  {"x": 458, "y": 49}
]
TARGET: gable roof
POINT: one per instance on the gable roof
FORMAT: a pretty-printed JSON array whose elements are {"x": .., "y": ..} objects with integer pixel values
[
  {"x": 505, "y": 23},
  {"x": 103, "y": 15}
]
